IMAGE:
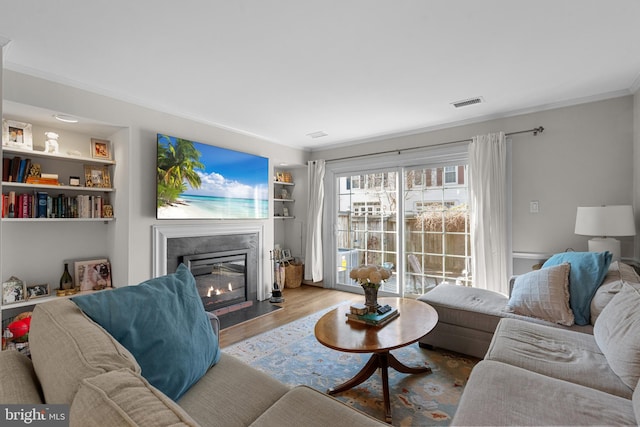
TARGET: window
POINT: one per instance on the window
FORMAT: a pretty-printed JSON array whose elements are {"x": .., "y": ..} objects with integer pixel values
[
  {"x": 433, "y": 224},
  {"x": 451, "y": 175}
]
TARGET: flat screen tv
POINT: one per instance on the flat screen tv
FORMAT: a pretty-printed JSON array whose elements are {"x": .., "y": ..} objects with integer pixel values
[{"x": 201, "y": 181}]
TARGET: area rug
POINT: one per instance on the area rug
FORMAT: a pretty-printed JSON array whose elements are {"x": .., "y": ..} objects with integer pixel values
[{"x": 291, "y": 354}]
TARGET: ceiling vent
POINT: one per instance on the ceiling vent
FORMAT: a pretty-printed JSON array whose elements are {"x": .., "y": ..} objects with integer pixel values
[
  {"x": 467, "y": 102},
  {"x": 318, "y": 134}
]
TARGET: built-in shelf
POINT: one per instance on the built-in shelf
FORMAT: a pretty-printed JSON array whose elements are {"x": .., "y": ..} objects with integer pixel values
[
  {"x": 58, "y": 156},
  {"x": 55, "y": 187},
  {"x": 35, "y": 301},
  {"x": 283, "y": 209},
  {"x": 57, "y": 219}
]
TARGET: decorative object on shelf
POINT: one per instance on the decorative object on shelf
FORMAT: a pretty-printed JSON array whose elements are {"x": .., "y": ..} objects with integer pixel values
[
  {"x": 283, "y": 177},
  {"x": 38, "y": 291},
  {"x": 100, "y": 149},
  {"x": 370, "y": 277},
  {"x": 13, "y": 291},
  {"x": 74, "y": 181},
  {"x": 34, "y": 170},
  {"x": 17, "y": 134},
  {"x": 284, "y": 194},
  {"x": 285, "y": 211},
  {"x": 97, "y": 176},
  {"x": 66, "y": 281},
  {"x": 51, "y": 143},
  {"x": 286, "y": 255},
  {"x": 107, "y": 211},
  {"x": 93, "y": 274}
]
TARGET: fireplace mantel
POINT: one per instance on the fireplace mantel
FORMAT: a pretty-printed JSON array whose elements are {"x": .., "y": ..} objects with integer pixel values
[{"x": 162, "y": 233}]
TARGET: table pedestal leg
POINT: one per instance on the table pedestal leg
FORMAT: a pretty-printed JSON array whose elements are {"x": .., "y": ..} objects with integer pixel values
[{"x": 382, "y": 360}]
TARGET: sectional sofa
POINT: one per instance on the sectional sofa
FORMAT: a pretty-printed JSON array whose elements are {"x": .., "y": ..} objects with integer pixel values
[
  {"x": 76, "y": 361},
  {"x": 541, "y": 368}
]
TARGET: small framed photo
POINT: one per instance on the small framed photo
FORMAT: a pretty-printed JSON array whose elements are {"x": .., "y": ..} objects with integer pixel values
[
  {"x": 285, "y": 211},
  {"x": 286, "y": 254},
  {"x": 93, "y": 274},
  {"x": 13, "y": 291},
  {"x": 17, "y": 134},
  {"x": 100, "y": 149},
  {"x": 38, "y": 291},
  {"x": 97, "y": 176}
]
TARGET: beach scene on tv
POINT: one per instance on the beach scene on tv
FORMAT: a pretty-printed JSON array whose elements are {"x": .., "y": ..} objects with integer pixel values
[{"x": 201, "y": 181}]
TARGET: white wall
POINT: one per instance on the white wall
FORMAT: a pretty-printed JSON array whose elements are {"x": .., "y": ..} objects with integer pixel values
[
  {"x": 584, "y": 157},
  {"x": 135, "y": 173},
  {"x": 636, "y": 163}
]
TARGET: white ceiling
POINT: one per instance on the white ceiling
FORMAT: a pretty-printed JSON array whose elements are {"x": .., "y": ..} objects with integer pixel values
[{"x": 354, "y": 69}]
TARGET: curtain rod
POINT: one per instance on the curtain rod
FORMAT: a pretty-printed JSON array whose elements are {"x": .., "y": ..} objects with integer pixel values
[{"x": 535, "y": 132}]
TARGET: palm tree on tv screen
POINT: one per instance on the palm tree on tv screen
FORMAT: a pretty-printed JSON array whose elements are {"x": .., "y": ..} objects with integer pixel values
[{"x": 177, "y": 163}]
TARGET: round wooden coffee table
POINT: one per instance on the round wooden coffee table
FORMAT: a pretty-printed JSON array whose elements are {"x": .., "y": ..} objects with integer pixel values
[{"x": 415, "y": 321}]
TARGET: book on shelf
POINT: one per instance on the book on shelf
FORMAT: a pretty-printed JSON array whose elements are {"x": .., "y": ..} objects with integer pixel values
[
  {"x": 6, "y": 168},
  {"x": 42, "y": 181},
  {"x": 39, "y": 204},
  {"x": 374, "y": 319},
  {"x": 15, "y": 166}
]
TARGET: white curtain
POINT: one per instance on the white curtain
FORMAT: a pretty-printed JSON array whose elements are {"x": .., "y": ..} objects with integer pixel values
[
  {"x": 313, "y": 250},
  {"x": 488, "y": 195}
]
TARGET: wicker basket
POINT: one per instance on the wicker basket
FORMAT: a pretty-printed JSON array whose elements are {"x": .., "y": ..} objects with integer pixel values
[{"x": 293, "y": 275}]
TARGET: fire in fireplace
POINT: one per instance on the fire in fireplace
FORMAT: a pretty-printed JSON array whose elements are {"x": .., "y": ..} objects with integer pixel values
[{"x": 221, "y": 277}]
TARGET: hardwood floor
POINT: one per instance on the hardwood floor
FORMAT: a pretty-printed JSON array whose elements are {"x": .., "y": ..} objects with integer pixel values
[{"x": 298, "y": 303}]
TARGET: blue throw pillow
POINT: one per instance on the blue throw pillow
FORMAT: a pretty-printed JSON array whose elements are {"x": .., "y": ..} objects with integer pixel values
[
  {"x": 162, "y": 322},
  {"x": 587, "y": 273}
]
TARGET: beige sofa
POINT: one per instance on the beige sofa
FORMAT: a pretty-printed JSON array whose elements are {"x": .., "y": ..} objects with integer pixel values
[
  {"x": 468, "y": 317},
  {"x": 76, "y": 362},
  {"x": 538, "y": 373}
]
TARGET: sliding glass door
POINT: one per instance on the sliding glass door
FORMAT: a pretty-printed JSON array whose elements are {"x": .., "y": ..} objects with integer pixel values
[
  {"x": 417, "y": 226},
  {"x": 436, "y": 218},
  {"x": 366, "y": 225}
]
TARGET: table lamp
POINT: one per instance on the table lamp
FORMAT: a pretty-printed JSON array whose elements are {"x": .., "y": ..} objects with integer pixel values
[{"x": 605, "y": 222}]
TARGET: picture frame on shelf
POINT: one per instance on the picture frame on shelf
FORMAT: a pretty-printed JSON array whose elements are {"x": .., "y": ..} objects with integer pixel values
[
  {"x": 285, "y": 211},
  {"x": 13, "y": 291},
  {"x": 17, "y": 134},
  {"x": 38, "y": 291},
  {"x": 100, "y": 149},
  {"x": 286, "y": 255},
  {"x": 92, "y": 274},
  {"x": 97, "y": 176}
]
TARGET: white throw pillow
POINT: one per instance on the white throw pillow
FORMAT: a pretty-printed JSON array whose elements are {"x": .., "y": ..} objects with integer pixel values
[
  {"x": 611, "y": 285},
  {"x": 617, "y": 333},
  {"x": 543, "y": 294}
]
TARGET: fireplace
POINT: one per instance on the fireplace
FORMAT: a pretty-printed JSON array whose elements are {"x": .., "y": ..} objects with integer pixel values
[
  {"x": 226, "y": 249},
  {"x": 221, "y": 278}
]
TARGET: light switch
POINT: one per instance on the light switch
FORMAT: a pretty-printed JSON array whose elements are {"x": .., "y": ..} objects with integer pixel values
[{"x": 534, "y": 206}]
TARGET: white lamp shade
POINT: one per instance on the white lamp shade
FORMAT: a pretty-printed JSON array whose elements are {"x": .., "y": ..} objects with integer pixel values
[{"x": 604, "y": 221}]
